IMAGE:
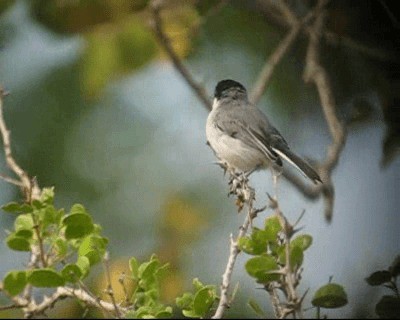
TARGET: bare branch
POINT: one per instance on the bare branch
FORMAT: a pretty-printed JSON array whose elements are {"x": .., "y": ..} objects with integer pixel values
[
  {"x": 269, "y": 66},
  {"x": 31, "y": 308},
  {"x": 64, "y": 292},
  {"x": 316, "y": 74},
  {"x": 244, "y": 193},
  {"x": 29, "y": 190},
  {"x": 275, "y": 16},
  {"x": 166, "y": 44},
  {"x": 275, "y": 301}
]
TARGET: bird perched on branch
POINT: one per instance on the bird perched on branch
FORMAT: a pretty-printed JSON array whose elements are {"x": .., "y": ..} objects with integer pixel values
[{"x": 242, "y": 137}]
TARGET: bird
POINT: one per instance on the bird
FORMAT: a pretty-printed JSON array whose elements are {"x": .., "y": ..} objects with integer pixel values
[{"x": 243, "y": 138}]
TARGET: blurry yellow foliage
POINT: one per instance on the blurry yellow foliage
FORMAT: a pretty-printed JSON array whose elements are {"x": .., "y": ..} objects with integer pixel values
[
  {"x": 182, "y": 219},
  {"x": 179, "y": 22},
  {"x": 119, "y": 270},
  {"x": 118, "y": 33},
  {"x": 113, "y": 50},
  {"x": 72, "y": 16}
]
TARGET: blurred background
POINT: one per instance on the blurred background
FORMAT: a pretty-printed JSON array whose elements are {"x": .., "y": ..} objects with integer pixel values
[{"x": 97, "y": 110}]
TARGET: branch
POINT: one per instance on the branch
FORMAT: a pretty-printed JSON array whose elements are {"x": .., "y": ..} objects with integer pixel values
[
  {"x": 316, "y": 74},
  {"x": 166, "y": 44},
  {"x": 244, "y": 194},
  {"x": 31, "y": 308},
  {"x": 269, "y": 67},
  {"x": 30, "y": 189},
  {"x": 275, "y": 16},
  {"x": 313, "y": 73}
]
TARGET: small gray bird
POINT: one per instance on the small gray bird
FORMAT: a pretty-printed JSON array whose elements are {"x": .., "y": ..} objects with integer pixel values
[{"x": 242, "y": 137}]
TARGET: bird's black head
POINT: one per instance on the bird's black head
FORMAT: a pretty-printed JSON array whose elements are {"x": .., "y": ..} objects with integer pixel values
[{"x": 224, "y": 87}]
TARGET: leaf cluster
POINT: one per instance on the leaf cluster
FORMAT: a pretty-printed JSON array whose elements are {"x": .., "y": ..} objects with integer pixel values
[
  {"x": 388, "y": 306},
  {"x": 69, "y": 244}
]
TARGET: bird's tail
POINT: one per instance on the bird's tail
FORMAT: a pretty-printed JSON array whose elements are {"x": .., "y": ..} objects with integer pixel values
[{"x": 299, "y": 163}]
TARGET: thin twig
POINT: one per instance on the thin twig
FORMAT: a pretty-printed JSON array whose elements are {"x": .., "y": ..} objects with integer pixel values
[
  {"x": 109, "y": 289},
  {"x": 166, "y": 44},
  {"x": 10, "y": 306},
  {"x": 11, "y": 180}
]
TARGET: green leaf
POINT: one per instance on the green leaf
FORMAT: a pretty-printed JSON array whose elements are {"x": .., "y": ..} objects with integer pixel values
[
  {"x": 197, "y": 284},
  {"x": 296, "y": 257},
  {"x": 84, "y": 265},
  {"x": 27, "y": 234},
  {"x": 262, "y": 268},
  {"x": 15, "y": 207},
  {"x": 148, "y": 268},
  {"x": 190, "y": 313},
  {"x": 49, "y": 215},
  {"x": 17, "y": 243},
  {"x": 303, "y": 241},
  {"x": 388, "y": 307},
  {"x": 134, "y": 268},
  {"x": 185, "y": 301},
  {"x": 38, "y": 204},
  {"x": 45, "y": 278},
  {"x": 203, "y": 300},
  {"x": 164, "y": 314},
  {"x": 256, "y": 308},
  {"x": 77, "y": 225},
  {"x": 71, "y": 273},
  {"x": 147, "y": 272},
  {"x": 93, "y": 247},
  {"x": 252, "y": 247},
  {"x": 330, "y": 296},
  {"x": 78, "y": 208},
  {"x": 259, "y": 236},
  {"x": 24, "y": 222},
  {"x": 272, "y": 227},
  {"x": 379, "y": 277},
  {"x": 61, "y": 247},
  {"x": 255, "y": 245},
  {"x": 14, "y": 282},
  {"x": 47, "y": 195}
]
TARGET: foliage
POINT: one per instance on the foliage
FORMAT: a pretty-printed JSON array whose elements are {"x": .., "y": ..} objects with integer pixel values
[
  {"x": 199, "y": 303},
  {"x": 70, "y": 245},
  {"x": 388, "y": 306},
  {"x": 269, "y": 264},
  {"x": 118, "y": 37}
]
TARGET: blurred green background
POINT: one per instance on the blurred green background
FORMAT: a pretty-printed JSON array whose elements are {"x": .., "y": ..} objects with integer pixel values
[{"x": 98, "y": 111}]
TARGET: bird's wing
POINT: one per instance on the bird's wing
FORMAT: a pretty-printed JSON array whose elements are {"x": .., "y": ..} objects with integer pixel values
[{"x": 253, "y": 137}]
